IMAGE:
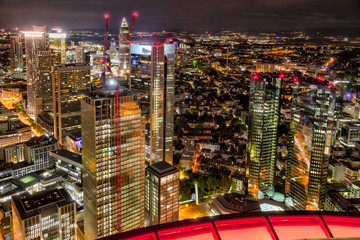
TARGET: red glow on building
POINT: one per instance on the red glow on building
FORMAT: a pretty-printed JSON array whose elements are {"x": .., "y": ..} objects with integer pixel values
[
  {"x": 299, "y": 225},
  {"x": 295, "y": 79},
  {"x": 246, "y": 228},
  {"x": 320, "y": 78},
  {"x": 281, "y": 75},
  {"x": 256, "y": 77},
  {"x": 330, "y": 86},
  {"x": 344, "y": 227},
  {"x": 193, "y": 232}
]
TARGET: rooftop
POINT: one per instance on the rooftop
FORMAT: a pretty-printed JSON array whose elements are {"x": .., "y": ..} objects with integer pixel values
[
  {"x": 162, "y": 168},
  {"x": 26, "y": 179},
  {"x": 41, "y": 141},
  {"x": 109, "y": 91},
  {"x": 29, "y": 206},
  {"x": 66, "y": 155},
  {"x": 46, "y": 117}
]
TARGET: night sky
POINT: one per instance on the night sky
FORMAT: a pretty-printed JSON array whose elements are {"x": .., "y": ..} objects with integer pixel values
[{"x": 193, "y": 15}]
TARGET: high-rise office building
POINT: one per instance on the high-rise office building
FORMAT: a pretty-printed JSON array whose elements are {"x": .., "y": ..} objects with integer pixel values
[
  {"x": 96, "y": 70},
  {"x": 263, "y": 125},
  {"x": 140, "y": 83},
  {"x": 113, "y": 162},
  {"x": 57, "y": 44},
  {"x": 309, "y": 147},
  {"x": 68, "y": 83},
  {"x": 34, "y": 41},
  {"x": 79, "y": 55},
  {"x": 161, "y": 194},
  {"x": 152, "y": 78},
  {"x": 44, "y": 82},
  {"x": 124, "y": 49},
  {"x": 16, "y": 53},
  {"x": 49, "y": 214}
]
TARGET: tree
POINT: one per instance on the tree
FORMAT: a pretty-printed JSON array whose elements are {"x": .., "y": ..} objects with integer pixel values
[
  {"x": 5, "y": 225},
  {"x": 5, "y": 221},
  {"x": 199, "y": 128},
  {"x": 224, "y": 183},
  {"x": 233, "y": 186},
  {"x": 330, "y": 174},
  {"x": 177, "y": 157},
  {"x": 181, "y": 122},
  {"x": 202, "y": 183},
  {"x": 212, "y": 183},
  {"x": 185, "y": 190},
  {"x": 194, "y": 111}
]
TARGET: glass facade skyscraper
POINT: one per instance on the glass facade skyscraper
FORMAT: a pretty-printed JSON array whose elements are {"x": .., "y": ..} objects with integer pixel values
[
  {"x": 309, "y": 148},
  {"x": 16, "y": 53},
  {"x": 44, "y": 83},
  {"x": 152, "y": 78},
  {"x": 113, "y": 163},
  {"x": 162, "y": 103},
  {"x": 34, "y": 41},
  {"x": 57, "y": 44},
  {"x": 263, "y": 125},
  {"x": 68, "y": 82}
]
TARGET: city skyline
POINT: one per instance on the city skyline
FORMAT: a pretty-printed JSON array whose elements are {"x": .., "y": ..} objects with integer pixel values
[{"x": 112, "y": 127}]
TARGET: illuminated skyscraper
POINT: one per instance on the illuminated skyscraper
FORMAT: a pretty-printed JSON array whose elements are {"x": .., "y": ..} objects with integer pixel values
[
  {"x": 16, "y": 53},
  {"x": 113, "y": 183},
  {"x": 34, "y": 41},
  {"x": 161, "y": 194},
  {"x": 96, "y": 70},
  {"x": 263, "y": 125},
  {"x": 152, "y": 78},
  {"x": 44, "y": 82},
  {"x": 162, "y": 103},
  {"x": 57, "y": 44},
  {"x": 79, "y": 54},
  {"x": 124, "y": 49},
  {"x": 309, "y": 148},
  {"x": 68, "y": 83}
]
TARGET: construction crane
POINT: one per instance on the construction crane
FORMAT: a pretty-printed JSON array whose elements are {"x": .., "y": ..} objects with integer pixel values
[
  {"x": 104, "y": 59},
  {"x": 118, "y": 125}
]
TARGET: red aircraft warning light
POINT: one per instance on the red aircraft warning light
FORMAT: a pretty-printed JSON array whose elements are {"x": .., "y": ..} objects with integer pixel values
[
  {"x": 106, "y": 16},
  {"x": 295, "y": 79},
  {"x": 281, "y": 75},
  {"x": 256, "y": 77}
]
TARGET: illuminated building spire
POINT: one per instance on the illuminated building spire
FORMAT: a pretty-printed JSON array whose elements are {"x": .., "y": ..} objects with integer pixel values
[{"x": 124, "y": 23}]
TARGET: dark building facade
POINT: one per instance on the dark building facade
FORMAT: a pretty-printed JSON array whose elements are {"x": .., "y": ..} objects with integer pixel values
[{"x": 161, "y": 194}]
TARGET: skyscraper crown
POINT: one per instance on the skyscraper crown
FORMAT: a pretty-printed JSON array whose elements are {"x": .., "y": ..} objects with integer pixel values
[{"x": 124, "y": 23}]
